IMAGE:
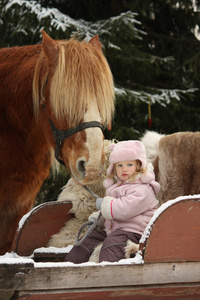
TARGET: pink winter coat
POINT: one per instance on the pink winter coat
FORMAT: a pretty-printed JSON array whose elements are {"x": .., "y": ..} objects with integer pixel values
[{"x": 130, "y": 206}]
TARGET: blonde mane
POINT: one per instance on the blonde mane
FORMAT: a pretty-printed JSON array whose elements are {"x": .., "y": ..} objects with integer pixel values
[{"x": 82, "y": 76}]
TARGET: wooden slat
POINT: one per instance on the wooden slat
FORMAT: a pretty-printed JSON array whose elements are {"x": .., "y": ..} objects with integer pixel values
[
  {"x": 49, "y": 256},
  {"x": 152, "y": 293},
  {"x": 44, "y": 221},
  {"x": 55, "y": 276},
  {"x": 113, "y": 275}
]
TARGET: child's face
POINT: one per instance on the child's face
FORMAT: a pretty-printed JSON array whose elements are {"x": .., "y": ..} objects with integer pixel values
[{"x": 125, "y": 169}]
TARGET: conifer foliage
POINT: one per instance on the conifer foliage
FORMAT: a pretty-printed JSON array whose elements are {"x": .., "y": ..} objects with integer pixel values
[{"x": 151, "y": 46}]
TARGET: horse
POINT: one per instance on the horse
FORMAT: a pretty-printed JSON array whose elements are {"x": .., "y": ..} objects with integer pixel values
[
  {"x": 176, "y": 161},
  {"x": 54, "y": 96}
]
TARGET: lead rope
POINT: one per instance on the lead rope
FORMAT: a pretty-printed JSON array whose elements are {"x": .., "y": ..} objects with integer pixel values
[{"x": 92, "y": 225}]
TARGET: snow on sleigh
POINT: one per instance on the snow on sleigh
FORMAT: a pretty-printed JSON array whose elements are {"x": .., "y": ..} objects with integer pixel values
[{"x": 167, "y": 265}]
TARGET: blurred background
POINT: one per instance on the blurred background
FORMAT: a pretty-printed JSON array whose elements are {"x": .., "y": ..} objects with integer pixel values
[{"x": 153, "y": 49}]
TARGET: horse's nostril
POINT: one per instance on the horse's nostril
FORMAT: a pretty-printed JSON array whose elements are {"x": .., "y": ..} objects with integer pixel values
[{"x": 81, "y": 166}]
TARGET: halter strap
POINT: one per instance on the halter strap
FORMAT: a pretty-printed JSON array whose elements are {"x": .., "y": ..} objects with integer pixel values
[{"x": 60, "y": 135}]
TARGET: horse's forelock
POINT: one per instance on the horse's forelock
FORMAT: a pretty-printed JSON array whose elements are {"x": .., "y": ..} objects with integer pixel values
[
  {"x": 82, "y": 76},
  {"x": 39, "y": 82}
]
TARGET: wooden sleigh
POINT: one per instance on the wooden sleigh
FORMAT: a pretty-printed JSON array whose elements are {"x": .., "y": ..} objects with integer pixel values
[{"x": 168, "y": 268}]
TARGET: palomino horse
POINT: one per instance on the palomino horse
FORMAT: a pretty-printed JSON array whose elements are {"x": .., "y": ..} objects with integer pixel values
[
  {"x": 176, "y": 160},
  {"x": 45, "y": 90}
]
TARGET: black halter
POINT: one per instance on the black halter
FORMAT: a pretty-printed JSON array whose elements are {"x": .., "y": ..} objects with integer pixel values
[{"x": 60, "y": 135}]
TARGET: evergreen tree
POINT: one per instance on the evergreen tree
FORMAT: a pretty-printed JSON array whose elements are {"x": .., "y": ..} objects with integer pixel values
[
  {"x": 171, "y": 28},
  {"x": 150, "y": 46}
]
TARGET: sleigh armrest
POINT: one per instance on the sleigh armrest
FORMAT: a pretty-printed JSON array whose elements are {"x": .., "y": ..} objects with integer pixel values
[
  {"x": 173, "y": 234},
  {"x": 36, "y": 228}
]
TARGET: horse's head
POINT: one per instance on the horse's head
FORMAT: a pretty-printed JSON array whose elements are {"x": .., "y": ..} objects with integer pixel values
[{"x": 73, "y": 95}]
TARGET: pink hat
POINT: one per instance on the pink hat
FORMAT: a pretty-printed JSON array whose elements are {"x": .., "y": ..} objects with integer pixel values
[{"x": 127, "y": 150}]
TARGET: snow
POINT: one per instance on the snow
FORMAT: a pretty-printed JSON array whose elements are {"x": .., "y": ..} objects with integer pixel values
[
  {"x": 53, "y": 250},
  {"x": 136, "y": 260},
  {"x": 58, "y": 20},
  {"x": 23, "y": 219},
  {"x": 13, "y": 258},
  {"x": 162, "y": 96},
  {"x": 26, "y": 216},
  {"x": 111, "y": 45}
]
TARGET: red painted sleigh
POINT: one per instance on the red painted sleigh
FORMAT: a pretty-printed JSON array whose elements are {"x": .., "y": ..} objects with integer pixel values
[{"x": 169, "y": 267}]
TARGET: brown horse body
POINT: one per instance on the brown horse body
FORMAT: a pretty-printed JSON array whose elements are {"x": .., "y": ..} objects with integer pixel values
[
  {"x": 176, "y": 160},
  {"x": 50, "y": 74}
]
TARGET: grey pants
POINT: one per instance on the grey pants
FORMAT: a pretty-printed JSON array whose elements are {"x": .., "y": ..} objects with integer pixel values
[{"x": 112, "y": 249}]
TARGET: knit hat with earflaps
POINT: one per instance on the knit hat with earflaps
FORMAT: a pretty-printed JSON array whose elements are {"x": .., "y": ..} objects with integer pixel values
[{"x": 127, "y": 150}]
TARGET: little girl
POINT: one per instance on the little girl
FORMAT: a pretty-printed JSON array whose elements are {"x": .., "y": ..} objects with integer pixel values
[{"x": 129, "y": 204}]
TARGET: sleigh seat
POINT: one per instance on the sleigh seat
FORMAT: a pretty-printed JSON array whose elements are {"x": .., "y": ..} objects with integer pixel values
[{"x": 172, "y": 234}]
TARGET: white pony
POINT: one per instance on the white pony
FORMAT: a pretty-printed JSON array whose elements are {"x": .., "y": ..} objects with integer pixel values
[{"x": 176, "y": 161}]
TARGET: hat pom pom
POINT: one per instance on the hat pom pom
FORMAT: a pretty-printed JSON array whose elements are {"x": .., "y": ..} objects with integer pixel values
[{"x": 108, "y": 182}]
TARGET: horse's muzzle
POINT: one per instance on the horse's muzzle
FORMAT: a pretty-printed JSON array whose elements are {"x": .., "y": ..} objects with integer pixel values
[{"x": 87, "y": 174}]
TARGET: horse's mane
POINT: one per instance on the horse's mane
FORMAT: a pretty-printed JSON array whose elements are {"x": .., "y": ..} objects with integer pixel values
[{"x": 81, "y": 77}]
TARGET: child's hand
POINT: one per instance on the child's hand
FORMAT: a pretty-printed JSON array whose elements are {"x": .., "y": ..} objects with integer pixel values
[
  {"x": 98, "y": 203},
  {"x": 92, "y": 218}
]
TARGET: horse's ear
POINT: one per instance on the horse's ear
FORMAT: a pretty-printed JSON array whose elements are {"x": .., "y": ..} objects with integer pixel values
[
  {"x": 95, "y": 42},
  {"x": 49, "y": 46}
]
